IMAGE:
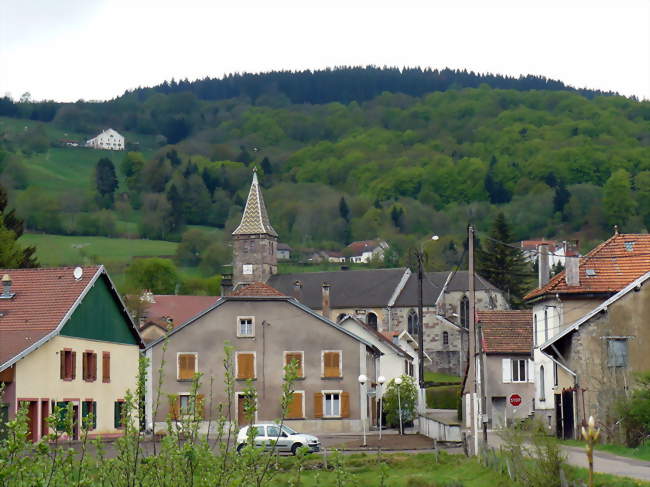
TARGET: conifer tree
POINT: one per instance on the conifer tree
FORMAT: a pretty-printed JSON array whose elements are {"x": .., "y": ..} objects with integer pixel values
[
  {"x": 106, "y": 182},
  {"x": 502, "y": 264},
  {"x": 11, "y": 229},
  {"x": 344, "y": 211}
]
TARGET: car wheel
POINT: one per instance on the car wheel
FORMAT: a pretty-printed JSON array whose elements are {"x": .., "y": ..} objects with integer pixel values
[
  {"x": 294, "y": 448},
  {"x": 240, "y": 447}
]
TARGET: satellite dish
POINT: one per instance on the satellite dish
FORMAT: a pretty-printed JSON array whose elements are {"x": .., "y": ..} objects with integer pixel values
[{"x": 78, "y": 273}]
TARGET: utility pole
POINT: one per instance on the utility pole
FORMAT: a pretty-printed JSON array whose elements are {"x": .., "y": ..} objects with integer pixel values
[
  {"x": 472, "y": 372},
  {"x": 420, "y": 325}
]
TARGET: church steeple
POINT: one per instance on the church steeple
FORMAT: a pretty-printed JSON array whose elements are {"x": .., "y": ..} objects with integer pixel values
[
  {"x": 255, "y": 219},
  {"x": 254, "y": 241}
]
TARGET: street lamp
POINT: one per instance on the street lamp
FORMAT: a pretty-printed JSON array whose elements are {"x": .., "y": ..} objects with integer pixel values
[
  {"x": 398, "y": 383},
  {"x": 380, "y": 380},
  {"x": 362, "y": 383}
]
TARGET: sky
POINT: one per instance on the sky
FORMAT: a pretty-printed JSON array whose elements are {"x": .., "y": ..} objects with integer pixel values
[{"x": 68, "y": 50}]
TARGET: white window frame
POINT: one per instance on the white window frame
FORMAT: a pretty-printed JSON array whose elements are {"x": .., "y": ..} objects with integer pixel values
[
  {"x": 303, "y": 405},
  {"x": 239, "y": 334},
  {"x": 182, "y": 413},
  {"x": 542, "y": 383},
  {"x": 237, "y": 363},
  {"x": 178, "y": 368},
  {"x": 302, "y": 360},
  {"x": 324, "y": 393},
  {"x": 526, "y": 370},
  {"x": 322, "y": 364}
]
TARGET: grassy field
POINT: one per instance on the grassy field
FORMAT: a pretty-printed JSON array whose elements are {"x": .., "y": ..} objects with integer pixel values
[
  {"x": 640, "y": 453},
  {"x": 56, "y": 250},
  {"x": 441, "y": 378}
]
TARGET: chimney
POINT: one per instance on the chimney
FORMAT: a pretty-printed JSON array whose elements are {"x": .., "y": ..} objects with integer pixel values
[
  {"x": 572, "y": 268},
  {"x": 6, "y": 287},
  {"x": 542, "y": 264},
  {"x": 326, "y": 300},
  {"x": 297, "y": 290},
  {"x": 226, "y": 284}
]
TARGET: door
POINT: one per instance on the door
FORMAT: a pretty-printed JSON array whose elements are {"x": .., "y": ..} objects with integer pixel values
[
  {"x": 32, "y": 419},
  {"x": 4, "y": 418},
  {"x": 241, "y": 416},
  {"x": 373, "y": 411},
  {"x": 45, "y": 412},
  {"x": 498, "y": 412},
  {"x": 567, "y": 415},
  {"x": 558, "y": 415},
  {"x": 75, "y": 422},
  {"x": 273, "y": 433}
]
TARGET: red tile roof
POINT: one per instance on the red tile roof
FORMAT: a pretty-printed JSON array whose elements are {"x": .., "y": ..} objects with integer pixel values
[
  {"x": 42, "y": 299},
  {"x": 257, "y": 289},
  {"x": 506, "y": 331},
  {"x": 358, "y": 248},
  {"x": 178, "y": 308},
  {"x": 606, "y": 269}
]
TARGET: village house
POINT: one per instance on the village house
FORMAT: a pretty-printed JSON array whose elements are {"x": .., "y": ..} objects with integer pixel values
[
  {"x": 585, "y": 284},
  {"x": 267, "y": 330},
  {"x": 507, "y": 346},
  {"x": 284, "y": 251},
  {"x": 365, "y": 251},
  {"x": 614, "y": 337},
  {"x": 556, "y": 251},
  {"x": 66, "y": 340},
  {"x": 109, "y": 139}
]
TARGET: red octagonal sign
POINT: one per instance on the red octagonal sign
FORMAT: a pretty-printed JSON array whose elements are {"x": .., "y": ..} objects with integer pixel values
[{"x": 515, "y": 399}]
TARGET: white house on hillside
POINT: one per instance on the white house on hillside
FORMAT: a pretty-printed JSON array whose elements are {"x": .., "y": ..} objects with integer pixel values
[{"x": 109, "y": 139}]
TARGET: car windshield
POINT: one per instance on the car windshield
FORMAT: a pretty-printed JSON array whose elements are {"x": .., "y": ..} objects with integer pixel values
[{"x": 288, "y": 430}]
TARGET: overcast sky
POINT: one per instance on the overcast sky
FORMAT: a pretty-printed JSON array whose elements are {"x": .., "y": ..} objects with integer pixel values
[{"x": 91, "y": 49}]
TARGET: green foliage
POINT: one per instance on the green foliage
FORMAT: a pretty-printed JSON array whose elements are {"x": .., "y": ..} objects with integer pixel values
[
  {"x": 105, "y": 182},
  {"x": 618, "y": 199},
  {"x": 191, "y": 247},
  {"x": 156, "y": 275},
  {"x": 408, "y": 396},
  {"x": 635, "y": 412},
  {"x": 215, "y": 257},
  {"x": 443, "y": 397}
]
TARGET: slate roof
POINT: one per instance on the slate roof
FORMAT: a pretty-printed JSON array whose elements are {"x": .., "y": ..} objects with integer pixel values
[
  {"x": 433, "y": 284},
  {"x": 44, "y": 298},
  {"x": 255, "y": 219},
  {"x": 606, "y": 269},
  {"x": 506, "y": 332},
  {"x": 178, "y": 308},
  {"x": 368, "y": 288},
  {"x": 257, "y": 289}
]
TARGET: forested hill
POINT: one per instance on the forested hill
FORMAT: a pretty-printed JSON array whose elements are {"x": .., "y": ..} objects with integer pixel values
[{"x": 346, "y": 84}]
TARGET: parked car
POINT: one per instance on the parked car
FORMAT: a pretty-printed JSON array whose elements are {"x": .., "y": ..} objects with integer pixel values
[{"x": 287, "y": 439}]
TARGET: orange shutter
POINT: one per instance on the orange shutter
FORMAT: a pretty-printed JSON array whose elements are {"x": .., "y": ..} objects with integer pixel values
[
  {"x": 295, "y": 407},
  {"x": 106, "y": 367},
  {"x": 174, "y": 406},
  {"x": 62, "y": 362},
  {"x": 201, "y": 409},
  {"x": 332, "y": 364},
  {"x": 298, "y": 358},
  {"x": 318, "y": 405},
  {"x": 186, "y": 366},
  {"x": 245, "y": 366},
  {"x": 345, "y": 405},
  {"x": 74, "y": 365}
]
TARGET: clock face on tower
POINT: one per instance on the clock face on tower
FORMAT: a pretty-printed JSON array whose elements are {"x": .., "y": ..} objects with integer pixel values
[{"x": 247, "y": 269}]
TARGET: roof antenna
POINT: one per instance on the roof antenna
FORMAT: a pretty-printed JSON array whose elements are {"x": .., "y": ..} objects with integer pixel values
[{"x": 615, "y": 229}]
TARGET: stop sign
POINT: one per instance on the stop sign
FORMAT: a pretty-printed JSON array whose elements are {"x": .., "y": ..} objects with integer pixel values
[{"x": 515, "y": 399}]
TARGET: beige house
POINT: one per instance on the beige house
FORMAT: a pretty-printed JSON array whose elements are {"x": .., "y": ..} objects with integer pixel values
[
  {"x": 267, "y": 330},
  {"x": 66, "y": 340}
]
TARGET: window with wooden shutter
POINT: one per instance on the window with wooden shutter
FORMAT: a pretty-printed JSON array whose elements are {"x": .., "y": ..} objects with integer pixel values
[
  {"x": 295, "y": 406},
  {"x": 174, "y": 407},
  {"x": 245, "y": 365},
  {"x": 73, "y": 365},
  {"x": 85, "y": 374},
  {"x": 345, "y": 405},
  {"x": 332, "y": 364},
  {"x": 68, "y": 360},
  {"x": 318, "y": 405},
  {"x": 297, "y": 356},
  {"x": 62, "y": 364},
  {"x": 89, "y": 366},
  {"x": 106, "y": 366},
  {"x": 201, "y": 407},
  {"x": 186, "y": 366}
]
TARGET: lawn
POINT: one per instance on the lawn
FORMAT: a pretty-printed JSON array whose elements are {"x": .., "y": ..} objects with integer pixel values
[
  {"x": 57, "y": 250},
  {"x": 440, "y": 378},
  {"x": 640, "y": 453}
]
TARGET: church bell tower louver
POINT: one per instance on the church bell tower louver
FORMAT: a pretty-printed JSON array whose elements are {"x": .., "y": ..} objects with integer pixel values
[{"x": 254, "y": 241}]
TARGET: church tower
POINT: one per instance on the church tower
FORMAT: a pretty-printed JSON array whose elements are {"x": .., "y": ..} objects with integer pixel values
[{"x": 254, "y": 242}]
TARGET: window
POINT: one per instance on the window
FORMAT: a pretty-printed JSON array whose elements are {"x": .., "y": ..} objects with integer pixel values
[
  {"x": 372, "y": 320},
  {"x": 555, "y": 374},
  {"x": 68, "y": 360},
  {"x": 106, "y": 366},
  {"x": 445, "y": 338},
  {"x": 331, "y": 364},
  {"x": 245, "y": 326},
  {"x": 545, "y": 324},
  {"x": 89, "y": 366},
  {"x": 519, "y": 369},
  {"x": 186, "y": 366},
  {"x": 332, "y": 405},
  {"x": 412, "y": 322},
  {"x": 464, "y": 312},
  {"x": 542, "y": 384},
  {"x": 184, "y": 403},
  {"x": 296, "y": 406},
  {"x": 534, "y": 330},
  {"x": 247, "y": 269},
  {"x": 617, "y": 352},
  {"x": 245, "y": 365},
  {"x": 118, "y": 414},
  {"x": 89, "y": 414},
  {"x": 298, "y": 357}
]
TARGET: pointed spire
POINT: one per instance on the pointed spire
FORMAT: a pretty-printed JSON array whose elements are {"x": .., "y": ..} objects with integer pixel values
[{"x": 255, "y": 219}]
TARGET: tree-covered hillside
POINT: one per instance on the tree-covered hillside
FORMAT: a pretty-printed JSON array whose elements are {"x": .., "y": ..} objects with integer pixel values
[{"x": 556, "y": 162}]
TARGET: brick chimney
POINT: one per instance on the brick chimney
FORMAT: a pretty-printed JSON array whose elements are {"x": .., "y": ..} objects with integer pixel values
[
  {"x": 326, "y": 300},
  {"x": 572, "y": 268},
  {"x": 542, "y": 264}
]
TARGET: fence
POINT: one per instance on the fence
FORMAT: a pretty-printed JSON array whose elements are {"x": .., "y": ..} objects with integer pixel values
[{"x": 437, "y": 429}]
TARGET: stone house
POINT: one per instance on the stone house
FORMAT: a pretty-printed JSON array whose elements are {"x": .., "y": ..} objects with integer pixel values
[
  {"x": 267, "y": 330},
  {"x": 66, "y": 340},
  {"x": 586, "y": 283},
  {"x": 614, "y": 337},
  {"x": 109, "y": 139},
  {"x": 284, "y": 251},
  {"x": 507, "y": 346}
]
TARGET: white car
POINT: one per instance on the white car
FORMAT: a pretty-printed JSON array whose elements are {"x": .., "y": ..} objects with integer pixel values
[{"x": 287, "y": 439}]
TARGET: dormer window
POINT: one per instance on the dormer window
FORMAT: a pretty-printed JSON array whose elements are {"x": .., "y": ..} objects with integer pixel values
[{"x": 629, "y": 246}]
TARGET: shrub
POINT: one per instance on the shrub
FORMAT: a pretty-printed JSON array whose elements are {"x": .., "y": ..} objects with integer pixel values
[{"x": 443, "y": 397}]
